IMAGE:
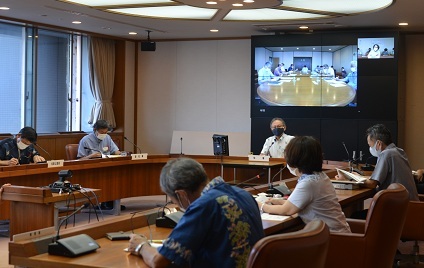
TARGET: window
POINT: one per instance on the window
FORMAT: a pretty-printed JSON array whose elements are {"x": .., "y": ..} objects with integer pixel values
[{"x": 45, "y": 80}]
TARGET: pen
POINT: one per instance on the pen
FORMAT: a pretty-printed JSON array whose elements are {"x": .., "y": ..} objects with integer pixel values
[{"x": 156, "y": 241}]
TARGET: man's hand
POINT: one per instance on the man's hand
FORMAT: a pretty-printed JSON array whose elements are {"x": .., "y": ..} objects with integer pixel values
[
  {"x": 135, "y": 240},
  {"x": 38, "y": 158},
  {"x": 13, "y": 162}
]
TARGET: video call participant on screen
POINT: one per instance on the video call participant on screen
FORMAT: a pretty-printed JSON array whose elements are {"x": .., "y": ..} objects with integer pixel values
[
  {"x": 99, "y": 141},
  {"x": 265, "y": 74},
  {"x": 280, "y": 71},
  {"x": 20, "y": 149},
  {"x": 274, "y": 146},
  {"x": 375, "y": 52},
  {"x": 314, "y": 196},
  {"x": 343, "y": 72},
  {"x": 351, "y": 80},
  {"x": 220, "y": 225}
]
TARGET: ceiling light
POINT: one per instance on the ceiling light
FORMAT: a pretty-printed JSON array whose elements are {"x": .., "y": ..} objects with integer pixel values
[
  {"x": 211, "y": 3},
  {"x": 249, "y": 1},
  {"x": 237, "y": 5},
  {"x": 132, "y": 33},
  {"x": 403, "y": 24},
  {"x": 303, "y": 27},
  {"x": 4, "y": 8},
  {"x": 214, "y": 30},
  {"x": 76, "y": 22}
]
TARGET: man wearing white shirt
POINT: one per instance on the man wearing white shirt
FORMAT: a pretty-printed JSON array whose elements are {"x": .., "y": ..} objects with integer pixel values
[{"x": 275, "y": 145}]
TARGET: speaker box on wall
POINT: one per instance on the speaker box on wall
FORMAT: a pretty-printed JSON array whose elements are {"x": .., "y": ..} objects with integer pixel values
[{"x": 148, "y": 46}]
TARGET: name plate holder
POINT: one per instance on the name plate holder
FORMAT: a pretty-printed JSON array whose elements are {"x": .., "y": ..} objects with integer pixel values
[
  {"x": 55, "y": 163},
  {"x": 139, "y": 156},
  {"x": 261, "y": 158}
]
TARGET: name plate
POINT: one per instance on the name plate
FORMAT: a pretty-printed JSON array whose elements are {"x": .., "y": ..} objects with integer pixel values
[
  {"x": 55, "y": 163},
  {"x": 262, "y": 158},
  {"x": 139, "y": 156}
]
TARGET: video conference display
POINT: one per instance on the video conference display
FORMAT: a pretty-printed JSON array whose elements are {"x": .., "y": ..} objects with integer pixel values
[{"x": 320, "y": 74}]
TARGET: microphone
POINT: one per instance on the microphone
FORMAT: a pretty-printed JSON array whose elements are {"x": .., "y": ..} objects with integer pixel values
[
  {"x": 280, "y": 189},
  {"x": 368, "y": 167},
  {"x": 251, "y": 179},
  {"x": 67, "y": 218},
  {"x": 96, "y": 150},
  {"x": 347, "y": 151},
  {"x": 181, "y": 145},
  {"x": 36, "y": 144},
  {"x": 269, "y": 148},
  {"x": 139, "y": 150}
]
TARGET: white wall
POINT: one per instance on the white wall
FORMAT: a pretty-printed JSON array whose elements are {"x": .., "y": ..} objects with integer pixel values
[{"x": 192, "y": 86}]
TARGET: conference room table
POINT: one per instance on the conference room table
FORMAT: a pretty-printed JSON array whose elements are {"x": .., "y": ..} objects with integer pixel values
[{"x": 306, "y": 90}]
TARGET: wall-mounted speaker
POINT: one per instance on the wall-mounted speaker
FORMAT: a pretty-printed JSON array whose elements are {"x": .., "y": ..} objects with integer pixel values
[{"x": 148, "y": 46}]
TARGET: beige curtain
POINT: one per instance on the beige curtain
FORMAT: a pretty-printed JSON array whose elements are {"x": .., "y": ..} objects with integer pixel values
[{"x": 102, "y": 75}]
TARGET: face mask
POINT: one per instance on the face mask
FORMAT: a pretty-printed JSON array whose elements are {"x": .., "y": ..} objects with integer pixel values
[
  {"x": 183, "y": 209},
  {"x": 278, "y": 131},
  {"x": 101, "y": 136},
  {"x": 353, "y": 69},
  {"x": 374, "y": 151},
  {"x": 21, "y": 145},
  {"x": 293, "y": 171}
]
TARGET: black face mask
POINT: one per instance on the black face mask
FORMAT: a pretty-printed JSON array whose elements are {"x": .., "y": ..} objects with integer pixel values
[{"x": 278, "y": 131}]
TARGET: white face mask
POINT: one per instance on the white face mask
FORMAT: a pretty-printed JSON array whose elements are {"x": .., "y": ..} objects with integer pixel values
[
  {"x": 22, "y": 146},
  {"x": 374, "y": 151},
  {"x": 183, "y": 209},
  {"x": 293, "y": 171},
  {"x": 353, "y": 69},
  {"x": 101, "y": 136}
]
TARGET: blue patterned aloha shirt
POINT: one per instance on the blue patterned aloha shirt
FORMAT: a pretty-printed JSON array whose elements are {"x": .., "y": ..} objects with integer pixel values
[{"x": 218, "y": 229}]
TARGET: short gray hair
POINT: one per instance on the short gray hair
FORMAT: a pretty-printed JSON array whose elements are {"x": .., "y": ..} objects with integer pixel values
[{"x": 182, "y": 174}]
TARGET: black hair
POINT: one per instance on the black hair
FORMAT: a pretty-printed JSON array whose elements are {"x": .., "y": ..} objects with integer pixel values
[
  {"x": 304, "y": 153},
  {"x": 380, "y": 132},
  {"x": 29, "y": 134},
  {"x": 101, "y": 124}
]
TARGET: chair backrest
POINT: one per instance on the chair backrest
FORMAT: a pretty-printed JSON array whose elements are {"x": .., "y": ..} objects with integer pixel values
[
  {"x": 71, "y": 151},
  {"x": 413, "y": 229},
  {"x": 304, "y": 248},
  {"x": 377, "y": 246}
]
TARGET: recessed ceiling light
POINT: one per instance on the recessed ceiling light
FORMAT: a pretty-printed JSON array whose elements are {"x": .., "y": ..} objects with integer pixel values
[
  {"x": 132, "y": 33},
  {"x": 4, "y": 8},
  {"x": 249, "y": 1},
  {"x": 403, "y": 24},
  {"x": 214, "y": 30},
  {"x": 211, "y": 3},
  {"x": 303, "y": 27},
  {"x": 237, "y": 5},
  {"x": 76, "y": 22}
]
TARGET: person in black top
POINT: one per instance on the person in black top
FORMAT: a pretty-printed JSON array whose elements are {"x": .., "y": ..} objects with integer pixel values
[{"x": 20, "y": 149}]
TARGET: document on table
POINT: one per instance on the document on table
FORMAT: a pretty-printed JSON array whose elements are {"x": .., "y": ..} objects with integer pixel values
[{"x": 272, "y": 217}]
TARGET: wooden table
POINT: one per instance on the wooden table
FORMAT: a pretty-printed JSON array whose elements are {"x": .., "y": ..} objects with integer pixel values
[
  {"x": 306, "y": 91},
  {"x": 111, "y": 254},
  {"x": 34, "y": 208},
  {"x": 269, "y": 165}
]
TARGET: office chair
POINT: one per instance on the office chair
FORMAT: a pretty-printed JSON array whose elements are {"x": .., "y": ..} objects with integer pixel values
[
  {"x": 413, "y": 230},
  {"x": 373, "y": 241},
  {"x": 71, "y": 151},
  {"x": 304, "y": 248}
]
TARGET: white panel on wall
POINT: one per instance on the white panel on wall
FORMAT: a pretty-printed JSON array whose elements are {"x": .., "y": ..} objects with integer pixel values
[
  {"x": 189, "y": 86},
  {"x": 200, "y": 143}
]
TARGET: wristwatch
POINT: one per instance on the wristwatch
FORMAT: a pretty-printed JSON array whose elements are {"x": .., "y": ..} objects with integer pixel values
[
  {"x": 262, "y": 208},
  {"x": 139, "y": 247}
]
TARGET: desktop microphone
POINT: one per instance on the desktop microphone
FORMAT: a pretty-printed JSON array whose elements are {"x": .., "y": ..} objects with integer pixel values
[
  {"x": 181, "y": 145},
  {"x": 280, "y": 189},
  {"x": 269, "y": 148},
  {"x": 72, "y": 246},
  {"x": 368, "y": 167},
  {"x": 251, "y": 179},
  {"x": 36, "y": 144},
  {"x": 139, "y": 150}
]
